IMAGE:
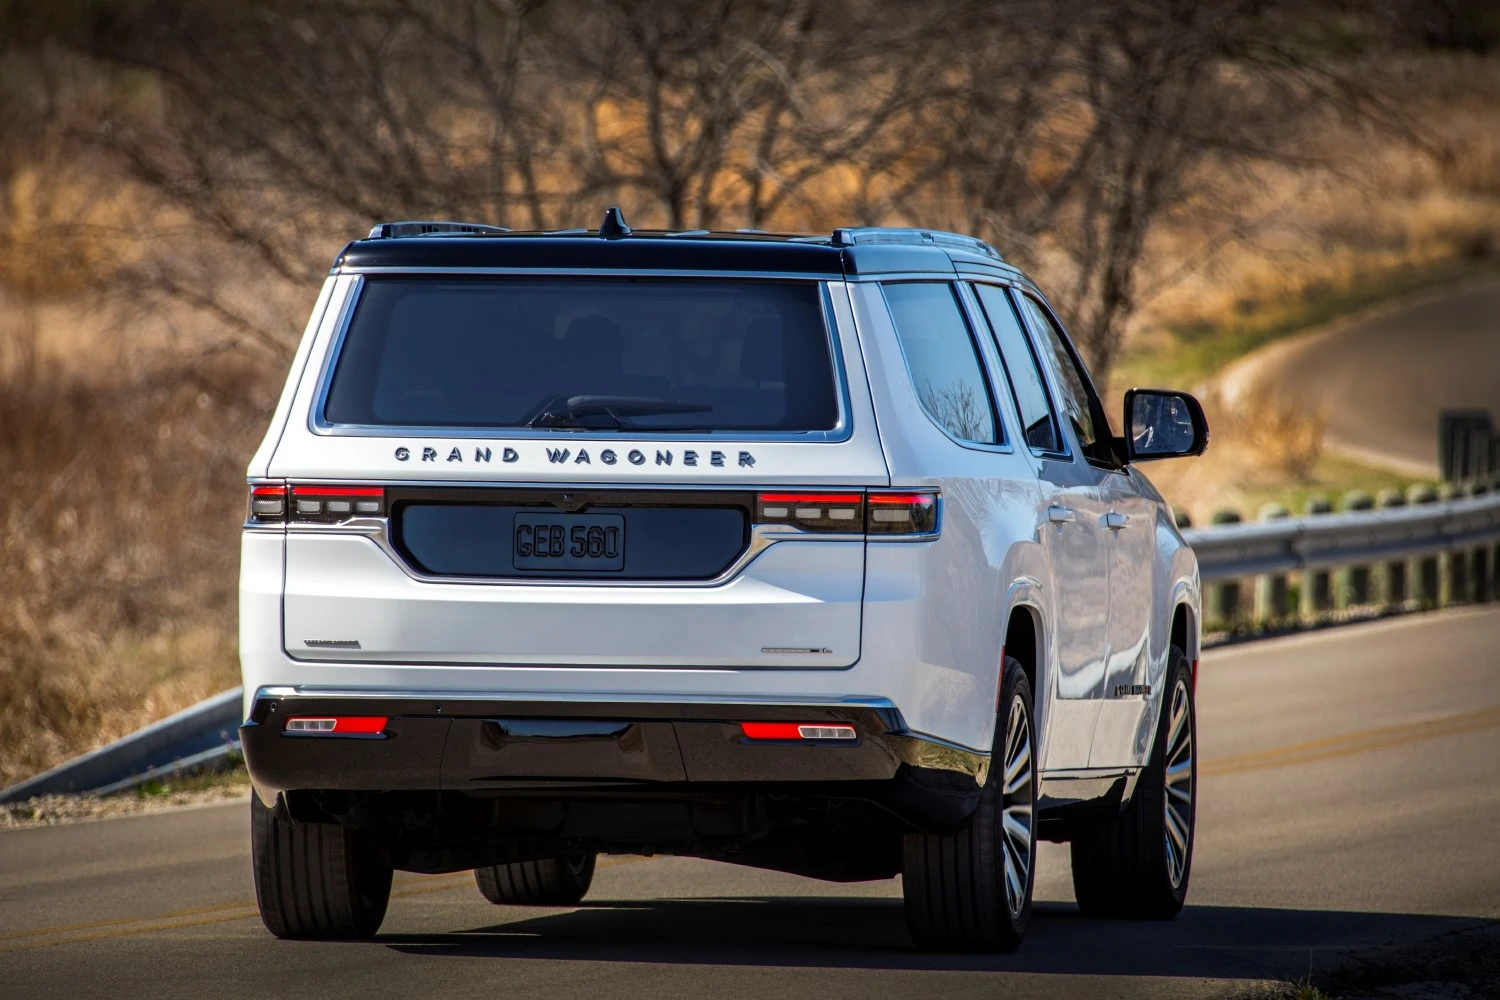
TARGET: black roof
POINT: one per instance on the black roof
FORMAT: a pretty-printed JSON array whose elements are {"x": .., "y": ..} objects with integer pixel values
[{"x": 846, "y": 252}]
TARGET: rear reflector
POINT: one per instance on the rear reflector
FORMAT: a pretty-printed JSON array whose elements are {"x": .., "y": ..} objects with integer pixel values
[
  {"x": 796, "y": 731},
  {"x": 336, "y": 725}
]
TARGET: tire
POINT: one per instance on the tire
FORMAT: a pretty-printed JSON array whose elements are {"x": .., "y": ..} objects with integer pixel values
[
  {"x": 1136, "y": 865},
  {"x": 971, "y": 890},
  {"x": 549, "y": 882},
  {"x": 316, "y": 880}
]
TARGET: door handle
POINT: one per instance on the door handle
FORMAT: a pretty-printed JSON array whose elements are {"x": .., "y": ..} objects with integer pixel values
[
  {"x": 1057, "y": 515},
  {"x": 1115, "y": 521}
]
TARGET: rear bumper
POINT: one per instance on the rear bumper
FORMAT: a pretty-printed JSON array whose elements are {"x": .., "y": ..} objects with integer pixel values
[{"x": 501, "y": 747}]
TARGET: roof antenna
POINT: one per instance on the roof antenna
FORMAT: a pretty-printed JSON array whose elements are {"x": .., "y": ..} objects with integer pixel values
[{"x": 613, "y": 227}]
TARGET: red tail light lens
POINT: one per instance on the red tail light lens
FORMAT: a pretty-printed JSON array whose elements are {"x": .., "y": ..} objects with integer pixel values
[
  {"x": 833, "y": 512},
  {"x": 331, "y": 504},
  {"x": 797, "y": 731},
  {"x": 267, "y": 504},
  {"x": 336, "y": 725},
  {"x": 904, "y": 512}
]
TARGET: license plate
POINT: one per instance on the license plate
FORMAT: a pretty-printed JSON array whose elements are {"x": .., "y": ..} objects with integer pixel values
[{"x": 570, "y": 542}]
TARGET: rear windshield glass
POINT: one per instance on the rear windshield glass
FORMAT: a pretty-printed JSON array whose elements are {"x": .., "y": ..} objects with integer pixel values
[{"x": 617, "y": 353}]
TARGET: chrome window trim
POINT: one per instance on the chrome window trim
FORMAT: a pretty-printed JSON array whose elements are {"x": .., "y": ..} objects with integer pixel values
[{"x": 841, "y": 432}]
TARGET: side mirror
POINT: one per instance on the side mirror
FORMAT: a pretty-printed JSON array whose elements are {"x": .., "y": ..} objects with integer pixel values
[{"x": 1161, "y": 423}]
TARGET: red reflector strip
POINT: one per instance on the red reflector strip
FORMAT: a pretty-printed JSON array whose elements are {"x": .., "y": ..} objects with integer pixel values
[
  {"x": 902, "y": 499},
  {"x": 796, "y": 731},
  {"x": 338, "y": 491},
  {"x": 268, "y": 491},
  {"x": 336, "y": 725}
]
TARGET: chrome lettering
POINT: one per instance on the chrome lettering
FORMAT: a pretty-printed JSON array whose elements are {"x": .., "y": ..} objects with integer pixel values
[
  {"x": 558, "y": 455},
  {"x": 690, "y": 458},
  {"x": 663, "y": 458},
  {"x": 747, "y": 460},
  {"x": 455, "y": 455},
  {"x": 509, "y": 455},
  {"x": 402, "y": 454},
  {"x": 607, "y": 456},
  {"x": 481, "y": 454},
  {"x": 636, "y": 458},
  {"x": 583, "y": 457},
  {"x": 716, "y": 458},
  {"x": 429, "y": 454}
]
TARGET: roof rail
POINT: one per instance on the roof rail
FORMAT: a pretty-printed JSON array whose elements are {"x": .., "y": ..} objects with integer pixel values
[
  {"x": 928, "y": 237},
  {"x": 399, "y": 230}
]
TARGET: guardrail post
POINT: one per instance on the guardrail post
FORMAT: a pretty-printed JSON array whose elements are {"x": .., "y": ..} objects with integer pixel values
[
  {"x": 1455, "y": 572},
  {"x": 1479, "y": 565},
  {"x": 1354, "y": 581},
  {"x": 1317, "y": 584},
  {"x": 1224, "y": 597},
  {"x": 1393, "y": 584},
  {"x": 1426, "y": 575},
  {"x": 1271, "y": 590}
]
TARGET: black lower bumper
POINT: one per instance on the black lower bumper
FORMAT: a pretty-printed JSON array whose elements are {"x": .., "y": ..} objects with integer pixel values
[{"x": 505, "y": 748}]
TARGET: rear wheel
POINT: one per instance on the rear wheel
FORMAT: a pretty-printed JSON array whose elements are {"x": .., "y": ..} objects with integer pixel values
[
  {"x": 1137, "y": 865},
  {"x": 316, "y": 880},
  {"x": 971, "y": 890},
  {"x": 549, "y": 882}
]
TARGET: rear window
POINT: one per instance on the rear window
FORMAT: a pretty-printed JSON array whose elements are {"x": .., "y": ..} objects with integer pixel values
[{"x": 615, "y": 353}]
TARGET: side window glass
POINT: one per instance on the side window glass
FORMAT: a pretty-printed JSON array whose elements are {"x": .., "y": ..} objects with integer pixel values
[
  {"x": 941, "y": 355},
  {"x": 1075, "y": 401},
  {"x": 1028, "y": 387}
]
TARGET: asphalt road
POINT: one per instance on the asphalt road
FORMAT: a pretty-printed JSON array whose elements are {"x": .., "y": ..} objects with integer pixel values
[
  {"x": 1380, "y": 382},
  {"x": 1350, "y": 799}
]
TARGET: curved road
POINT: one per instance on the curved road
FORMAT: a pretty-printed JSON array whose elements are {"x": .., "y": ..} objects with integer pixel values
[
  {"x": 1350, "y": 799},
  {"x": 1381, "y": 381}
]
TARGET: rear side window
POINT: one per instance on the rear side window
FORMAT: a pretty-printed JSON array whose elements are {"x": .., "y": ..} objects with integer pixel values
[
  {"x": 944, "y": 364},
  {"x": 615, "y": 353},
  {"x": 1038, "y": 425}
]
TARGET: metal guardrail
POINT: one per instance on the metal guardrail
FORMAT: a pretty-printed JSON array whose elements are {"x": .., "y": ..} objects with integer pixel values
[
  {"x": 207, "y": 732},
  {"x": 196, "y": 736},
  {"x": 1231, "y": 551}
]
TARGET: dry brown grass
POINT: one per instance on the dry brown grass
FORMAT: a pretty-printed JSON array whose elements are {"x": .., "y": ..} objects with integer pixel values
[{"x": 118, "y": 543}]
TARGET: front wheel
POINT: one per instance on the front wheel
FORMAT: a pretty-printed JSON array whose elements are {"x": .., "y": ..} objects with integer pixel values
[
  {"x": 971, "y": 890},
  {"x": 1136, "y": 865}
]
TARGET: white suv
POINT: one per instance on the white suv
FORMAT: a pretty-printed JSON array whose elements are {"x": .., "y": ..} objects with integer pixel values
[{"x": 807, "y": 553}]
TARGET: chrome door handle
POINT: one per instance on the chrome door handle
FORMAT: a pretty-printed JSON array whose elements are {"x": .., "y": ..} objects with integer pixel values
[
  {"x": 1057, "y": 515},
  {"x": 1115, "y": 521}
]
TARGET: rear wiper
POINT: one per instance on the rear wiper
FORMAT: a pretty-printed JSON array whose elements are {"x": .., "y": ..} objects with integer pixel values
[{"x": 597, "y": 412}]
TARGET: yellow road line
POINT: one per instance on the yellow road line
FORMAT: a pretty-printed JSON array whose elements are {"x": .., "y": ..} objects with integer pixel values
[{"x": 1349, "y": 744}]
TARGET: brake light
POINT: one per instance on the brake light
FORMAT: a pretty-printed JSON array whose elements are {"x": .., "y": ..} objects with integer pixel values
[
  {"x": 267, "y": 504},
  {"x": 336, "y": 503},
  {"x": 903, "y": 512},
  {"x": 840, "y": 512},
  {"x": 797, "y": 731},
  {"x": 336, "y": 725}
]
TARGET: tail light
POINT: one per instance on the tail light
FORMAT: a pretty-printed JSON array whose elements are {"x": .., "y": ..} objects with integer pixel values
[
  {"x": 314, "y": 504},
  {"x": 797, "y": 731},
  {"x": 899, "y": 512},
  {"x": 840, "y": 512},
  {"x": 336, "y": 503},
  {"x": 267, "y": 504},
  {"x": 905, "y": 512}
]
